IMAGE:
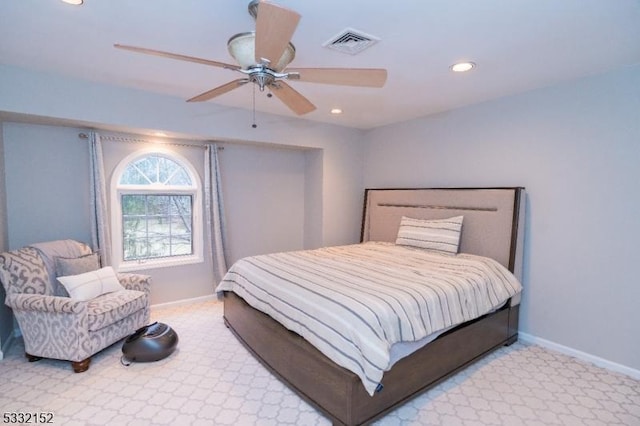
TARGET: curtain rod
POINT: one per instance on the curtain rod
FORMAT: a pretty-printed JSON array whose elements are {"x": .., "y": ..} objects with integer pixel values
[{"x": 134, "y": 140}]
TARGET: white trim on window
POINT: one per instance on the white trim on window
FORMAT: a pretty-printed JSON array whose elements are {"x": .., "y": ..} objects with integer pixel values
[{"x": 117, "y": 190}]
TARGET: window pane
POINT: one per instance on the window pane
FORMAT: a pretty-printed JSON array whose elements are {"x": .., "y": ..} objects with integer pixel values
[
  {"x": 148, "y": 166},
  {"x": 157, "y": 205},
  {"x": 134, "y": 227},
  {"x": 166, "y": 168},
  {"x": 156, "y": 226},
  {"x": 180, "y": 177},
  {"x": 180, "y": 205},
  {"x": 135, "y": 248},
  {"x": 154, "y": 169},
  {"x": 133, "y": 176},
  {"x": 133, "y": 204},
  {"x": 180, "y": 226},
  {"x": 181, "y": 248},
  {"x": 159, "y": 246}
]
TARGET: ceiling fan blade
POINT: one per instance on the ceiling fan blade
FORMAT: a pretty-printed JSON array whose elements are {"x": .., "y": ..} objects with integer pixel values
[
  {"x": 220, "y": 90},
  {"x": 176, "y": 56},
  {"x": 275, "y": 26},
  {"x": 364, "y": 77},
  {"x": 291, "y": 98}
]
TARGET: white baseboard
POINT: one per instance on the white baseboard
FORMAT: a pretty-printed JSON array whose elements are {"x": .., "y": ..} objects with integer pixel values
[
  {"x": 184, "y": 302},
  {"x": 600, "y": 362}
]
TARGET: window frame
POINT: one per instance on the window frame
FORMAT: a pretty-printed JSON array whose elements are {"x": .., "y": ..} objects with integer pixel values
[{"x": 117, "y": 190}]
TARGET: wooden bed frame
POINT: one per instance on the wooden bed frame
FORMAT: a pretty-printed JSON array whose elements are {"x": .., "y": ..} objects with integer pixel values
[{"x": 493, "y": 226}]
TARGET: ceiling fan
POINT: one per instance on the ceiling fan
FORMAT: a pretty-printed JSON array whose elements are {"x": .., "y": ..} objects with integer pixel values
[{"x": 263, "y": 56}]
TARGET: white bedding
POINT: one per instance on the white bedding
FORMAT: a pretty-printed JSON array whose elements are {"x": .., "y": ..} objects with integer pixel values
[{"x": 355, "y": 302}]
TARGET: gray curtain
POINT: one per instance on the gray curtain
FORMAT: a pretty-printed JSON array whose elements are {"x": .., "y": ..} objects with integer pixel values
[
  {"x": 100, "y": 231},
  {"x": 215, "y": 213}
]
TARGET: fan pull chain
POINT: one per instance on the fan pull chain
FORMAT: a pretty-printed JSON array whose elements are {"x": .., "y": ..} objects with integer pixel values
[{"x": 254, "y": 125}]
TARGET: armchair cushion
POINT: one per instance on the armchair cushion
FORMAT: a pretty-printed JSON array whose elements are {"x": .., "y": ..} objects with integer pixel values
[{"x": 107, "y": 309}]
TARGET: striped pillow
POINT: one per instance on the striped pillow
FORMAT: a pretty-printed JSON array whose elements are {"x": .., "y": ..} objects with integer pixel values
[{"x": 442, "y": 235}]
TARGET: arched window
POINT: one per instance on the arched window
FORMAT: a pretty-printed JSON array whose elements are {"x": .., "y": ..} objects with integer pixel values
[{"x": 156, "y": 212}]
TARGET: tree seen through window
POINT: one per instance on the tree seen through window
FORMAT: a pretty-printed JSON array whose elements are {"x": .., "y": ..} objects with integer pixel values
[{"x": 157, "y": 216}]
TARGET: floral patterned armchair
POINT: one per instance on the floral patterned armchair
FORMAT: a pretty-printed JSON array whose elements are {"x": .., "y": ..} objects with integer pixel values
[{"x": 54, "y": 325}]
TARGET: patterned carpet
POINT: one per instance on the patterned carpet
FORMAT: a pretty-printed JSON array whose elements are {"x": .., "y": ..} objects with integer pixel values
[{"x": 212, "y": 380}]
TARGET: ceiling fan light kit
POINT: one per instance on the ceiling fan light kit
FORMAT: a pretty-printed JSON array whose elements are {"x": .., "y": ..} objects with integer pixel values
[
  {"x": 242, "y": 48},
  {"x": 263, "y": 56}
]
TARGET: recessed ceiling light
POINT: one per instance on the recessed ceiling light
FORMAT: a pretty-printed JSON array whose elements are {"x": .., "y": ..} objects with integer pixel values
[
  {"x": 336, "y": 111},
  {"x": 74, "y": 2},
  {"x": 161, "y": 134},
  {"x": 462, "y": 66}
]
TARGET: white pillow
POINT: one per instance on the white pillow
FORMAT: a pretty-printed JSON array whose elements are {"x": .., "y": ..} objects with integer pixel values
[
  {"x": 441, "y": 235},
  {"x": 91, "y": 284}
]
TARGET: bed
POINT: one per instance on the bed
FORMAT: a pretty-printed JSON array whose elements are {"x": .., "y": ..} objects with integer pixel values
[{"x": 493, "y": 229}]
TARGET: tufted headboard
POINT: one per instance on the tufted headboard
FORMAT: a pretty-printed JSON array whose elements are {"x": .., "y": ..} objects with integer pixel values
[{"x": 493, "y": 224}]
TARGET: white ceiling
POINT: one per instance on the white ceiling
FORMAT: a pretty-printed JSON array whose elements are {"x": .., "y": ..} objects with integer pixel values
[{"x": 518, "y": 45}]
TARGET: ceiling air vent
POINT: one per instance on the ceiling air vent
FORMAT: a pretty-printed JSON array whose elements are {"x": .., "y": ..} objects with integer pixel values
[{"x": 350, "y": 41}]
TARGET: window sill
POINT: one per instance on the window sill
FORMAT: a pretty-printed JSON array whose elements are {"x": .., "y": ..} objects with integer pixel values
[{"x": 140, "y": 265}]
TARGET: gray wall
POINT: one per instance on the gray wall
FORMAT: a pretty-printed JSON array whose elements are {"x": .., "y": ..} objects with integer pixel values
[
  {"x": 264, "y": 198},
  {"x": 576, "y": 149},
  {"x": 6, "y": 323},
  {"x": 4, "y": 236},
  {"x": 47, "y": 183},
  {"x": 47, "y": 173},
  {"x": 313, "y": 225}
]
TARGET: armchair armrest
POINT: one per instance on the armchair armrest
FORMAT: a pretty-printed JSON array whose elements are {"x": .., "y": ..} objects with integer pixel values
[
  {"x": 138, "y": 282},
  {"x": 42, "y": 303}
]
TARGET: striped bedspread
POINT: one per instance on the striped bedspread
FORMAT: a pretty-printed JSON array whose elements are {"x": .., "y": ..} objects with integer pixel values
[{"x": 354, "y": 302}]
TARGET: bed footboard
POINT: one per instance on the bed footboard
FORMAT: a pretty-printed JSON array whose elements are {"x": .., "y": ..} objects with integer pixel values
[{"x": 339, "y": 393}]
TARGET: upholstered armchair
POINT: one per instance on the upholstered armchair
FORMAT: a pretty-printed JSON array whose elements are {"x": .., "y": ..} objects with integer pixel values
[{"x": 55, "y": 325}]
